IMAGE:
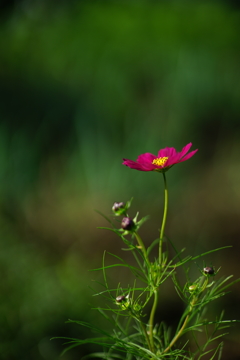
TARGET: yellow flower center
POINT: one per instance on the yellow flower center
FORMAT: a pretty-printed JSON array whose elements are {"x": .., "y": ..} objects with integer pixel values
[{"x": 160, "y": 161}]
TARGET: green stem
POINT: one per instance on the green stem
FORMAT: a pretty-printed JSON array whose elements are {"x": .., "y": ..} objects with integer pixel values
[
  {"x": 154, "y": 307},
  {"x": 192, "y": 303},
  {"x": 146, "y": 335},
  {"x": 178, "y": 334},
  {"x": 142, "y": 247},
  {"x": 183, "y": 326},
  {"x": 151, "y": 319},
  {"x": 164, "y": 218}
]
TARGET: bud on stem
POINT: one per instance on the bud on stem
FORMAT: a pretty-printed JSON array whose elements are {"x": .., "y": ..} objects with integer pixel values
[{"x": 127, "y": 224}]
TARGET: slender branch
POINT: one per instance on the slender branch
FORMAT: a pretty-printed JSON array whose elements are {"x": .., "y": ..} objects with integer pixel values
[
  {"x": 164, "y": 217},
  {"x": 142, "y": 247},
  {"x": 178, "y": 334},
  {"x": 151, "y": 319},
  {"x": 146, "y": 336},
  {"x": 192, "y": 303}
]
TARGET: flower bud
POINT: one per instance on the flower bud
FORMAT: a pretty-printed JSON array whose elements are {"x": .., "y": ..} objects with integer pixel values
[
  {"x": 192, "y": 288},
  {"x": 121, "y": 298},
  {"x": 127, "y": 224},
  {"x": 208, "y": 270},
  {"x": 118, "y": 208}
]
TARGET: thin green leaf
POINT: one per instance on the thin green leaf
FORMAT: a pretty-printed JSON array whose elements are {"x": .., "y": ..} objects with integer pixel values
[
  {"x": 219, "y": 336},
  {"x": 232, "y": 283},
  {"x": 153, "y": 244},
  {"x": 143, "y": 220},
  {"x": 124, "y": 290},
  {"x": 114, "y": 265},
  {"x": 102, "y": 355},
  {"x": 105, "y": 217},
  {"x": 211, "y": 251},
  {"x": 211, "y": 323},
  {"x": 144, "y": 350},
  {"x": 184, "y": 261}
]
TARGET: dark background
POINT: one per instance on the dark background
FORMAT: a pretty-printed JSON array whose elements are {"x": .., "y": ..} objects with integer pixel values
[{"x": 82, "y": 85}]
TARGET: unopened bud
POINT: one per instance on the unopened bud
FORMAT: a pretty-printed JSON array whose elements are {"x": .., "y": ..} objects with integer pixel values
[
  {"x": 127, "y": 223},
  {"x": 208, "y": 270},
  {"x": 118, "y": 207},
  {"x": 121, "y": 298},
  {"x": 192, "y": 287}
]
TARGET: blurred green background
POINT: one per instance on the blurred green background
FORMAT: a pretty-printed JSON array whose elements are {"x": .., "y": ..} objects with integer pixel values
[{"x": 82, "y": 85}]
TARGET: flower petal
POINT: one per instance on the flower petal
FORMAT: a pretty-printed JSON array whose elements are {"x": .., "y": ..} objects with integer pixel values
[
  {"x": 135, "y": 165},
  {"x": 176, "y": 158},
  {"x": 171, "y": 161},
  {"x": 146, "y": 158},
  {"x": 185, "y": 150},
  {"x": 168, "y": 151},
  {"x": 188, "y": 156}
]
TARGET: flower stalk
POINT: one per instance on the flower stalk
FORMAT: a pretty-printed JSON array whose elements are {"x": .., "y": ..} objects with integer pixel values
[
  {"x": 151, "y": 320},
  {"x": 164, "y": 218}
]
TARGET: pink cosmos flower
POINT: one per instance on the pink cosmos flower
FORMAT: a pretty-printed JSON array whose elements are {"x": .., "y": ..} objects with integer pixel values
[{"x": 165, "y": 159}]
